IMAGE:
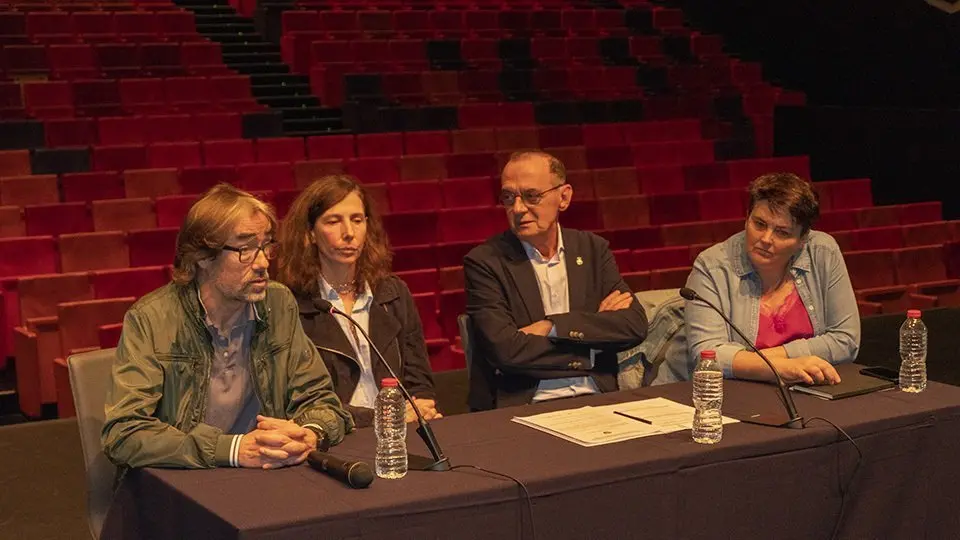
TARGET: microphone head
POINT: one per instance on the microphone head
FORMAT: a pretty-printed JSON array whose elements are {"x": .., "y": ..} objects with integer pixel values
[
  {"x": 323, "y": 304},
  {"x": 689, "y": 294},
  {"x": 359, "y": 475}
]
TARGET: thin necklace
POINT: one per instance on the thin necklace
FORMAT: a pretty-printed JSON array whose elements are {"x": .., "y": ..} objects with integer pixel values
[{"x": 347, "y": 287}]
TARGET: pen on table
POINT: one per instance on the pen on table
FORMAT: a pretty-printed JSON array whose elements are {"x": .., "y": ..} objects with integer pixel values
[{"x": 637, "y": 418}]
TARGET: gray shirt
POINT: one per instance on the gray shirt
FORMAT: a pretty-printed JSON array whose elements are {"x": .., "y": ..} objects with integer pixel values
[{"x": 232, "y": 405}]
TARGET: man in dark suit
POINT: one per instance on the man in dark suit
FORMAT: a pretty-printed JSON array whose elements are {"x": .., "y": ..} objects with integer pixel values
[{"x": 548, "y": 306}]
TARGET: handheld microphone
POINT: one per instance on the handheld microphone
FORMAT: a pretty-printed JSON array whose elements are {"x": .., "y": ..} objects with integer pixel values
[
  {"x": 440, "y": 462},
  {"x": 795, "y": 420},
  {"x": 355, "y": 474}
]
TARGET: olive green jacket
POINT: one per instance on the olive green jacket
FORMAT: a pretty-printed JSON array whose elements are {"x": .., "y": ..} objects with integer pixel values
[{"x": 156, "y": 403}]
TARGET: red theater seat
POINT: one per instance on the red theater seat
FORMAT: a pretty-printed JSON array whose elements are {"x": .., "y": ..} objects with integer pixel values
[
  {"x": 426, "y": 142},
  {"x": 93, "y": 251},
  {"x": 411, "y": 228},
  {"x": 30, "y": 255},
  {"x": 415, "y": 196},
  {"x": 123, "y": 214},
  {"x": 228, "y": 152},
  {"x": 151, "y": 183},
  {"x": 152, "y": 247},
  {"x": 265, "y": 176},
  {"x": 282, "y": 149},
  {"x": 171, "y": 210},
  {"x": 469, "y": 224},
  {"x": 55, "y": 219},
  {"x": 134, "y": 282},
  {"x": 91, "y": 186},
  {"x": 26, "y": 190}
]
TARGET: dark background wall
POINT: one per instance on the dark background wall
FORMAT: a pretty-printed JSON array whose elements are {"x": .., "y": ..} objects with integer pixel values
[
  {"x": 858, "y": 52},
  {"x": 882, "y": 80}
]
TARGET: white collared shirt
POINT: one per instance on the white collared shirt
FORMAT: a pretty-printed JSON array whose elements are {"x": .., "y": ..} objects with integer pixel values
[
  {"x": 555, "y": 295},
  {"x": 365, "y": 394}
]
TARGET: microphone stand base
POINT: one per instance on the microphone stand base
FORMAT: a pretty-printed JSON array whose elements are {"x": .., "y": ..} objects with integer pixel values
[
  {"x": 773, "y": 420},
  {"x": 439, "y": 466},
  {"x": 424, "y": 463}
]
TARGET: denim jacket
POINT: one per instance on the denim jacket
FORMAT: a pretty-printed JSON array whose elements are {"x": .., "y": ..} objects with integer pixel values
[
  {"x": 665, "y": 348},
  {"x": 724, "y": 275}
]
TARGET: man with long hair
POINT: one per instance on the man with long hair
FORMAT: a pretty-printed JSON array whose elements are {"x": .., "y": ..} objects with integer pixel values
[{"x": 213, "y": 369}]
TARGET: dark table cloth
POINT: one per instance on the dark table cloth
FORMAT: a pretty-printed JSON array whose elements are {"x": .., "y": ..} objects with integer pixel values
[{"x": 757, "y": 482}]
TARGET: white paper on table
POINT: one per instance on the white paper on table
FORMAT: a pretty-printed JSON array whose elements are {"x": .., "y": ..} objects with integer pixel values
[
  {"x": 587, "y": 427},
  {"x": 594, "y": 426},
  {"x": 667, "y": 416}
]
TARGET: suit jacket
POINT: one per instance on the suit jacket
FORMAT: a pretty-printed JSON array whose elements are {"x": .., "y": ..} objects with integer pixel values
[
  {"x": 396, "y": 331},
  {"x": 503, "y": 296}
]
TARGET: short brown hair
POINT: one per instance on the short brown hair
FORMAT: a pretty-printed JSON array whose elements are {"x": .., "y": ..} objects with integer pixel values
[
  {"x": 208, "y": 225},
  {"x": 299, "y": 257},
  {"x": 557, "y": 169},
  {"x": 787, "y": 192}
]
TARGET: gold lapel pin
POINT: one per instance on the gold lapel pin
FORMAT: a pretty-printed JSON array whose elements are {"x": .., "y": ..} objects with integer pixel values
[{"x": 579, "y": 261}]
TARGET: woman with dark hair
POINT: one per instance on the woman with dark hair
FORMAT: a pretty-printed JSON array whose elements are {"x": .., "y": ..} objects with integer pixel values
[
  {"x": 333, "y": 247},
  {"x": 785, "y": 285}
]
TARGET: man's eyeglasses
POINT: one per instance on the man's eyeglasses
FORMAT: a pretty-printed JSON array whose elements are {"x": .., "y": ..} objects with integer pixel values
[
  {"x": 529, "y": 197},
  {"x": 248, "y": 254}
]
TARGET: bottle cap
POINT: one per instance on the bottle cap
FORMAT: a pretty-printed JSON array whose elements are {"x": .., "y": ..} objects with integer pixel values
[
  {"x": 913, "y": 313},
  {"x": 709, "y": 353},
  {"x": 388, "y": 381}
]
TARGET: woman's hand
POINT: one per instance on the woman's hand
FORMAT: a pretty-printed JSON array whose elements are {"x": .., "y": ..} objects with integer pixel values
[
  {"x": 807, "y": 370},
  {"x": 428, "y": 408}
]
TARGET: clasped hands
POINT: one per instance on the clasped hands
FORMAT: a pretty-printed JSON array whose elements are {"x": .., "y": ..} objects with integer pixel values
[
  {"x": 276, "y": 443},
  {"x": 613, "y": 302}
]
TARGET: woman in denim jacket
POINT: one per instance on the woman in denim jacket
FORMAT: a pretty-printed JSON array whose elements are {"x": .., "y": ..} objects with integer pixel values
[{"x": 783, "y": 284}]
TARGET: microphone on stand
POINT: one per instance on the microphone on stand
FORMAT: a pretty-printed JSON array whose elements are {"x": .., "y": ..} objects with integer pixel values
[
  {"x": 355, "y": 474},
  {"x": 795, "y": 420},
  {"x": 440, "y": 462}
]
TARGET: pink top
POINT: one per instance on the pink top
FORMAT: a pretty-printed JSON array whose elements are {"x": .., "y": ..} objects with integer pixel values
[{"x": 789, "y": 322}]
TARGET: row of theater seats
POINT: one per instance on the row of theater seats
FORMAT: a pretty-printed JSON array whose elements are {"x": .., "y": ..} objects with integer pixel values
[
  {"x": 174, "y": 127},
  {"x": 673, "y": 193},
  {"x": 73, "y": 6},
  {"x": 385, "y": 169},
  {"x": 448, "y": 215},
  {"x": 127, "y": 235},
  {"x": 336, "y": 83},
  {"x": 422, "y": 240},
  {"x": 360, "y": 5},
  {"x": 512, "y": 19},
  {"x": 277, "y": 171},
  {"x": 98, "y": 26},
  {"x": 110, "y": 97},
  {"x": 70, "y": 62},
  {"x": 489, "y": 53},
  {"x": 109, "y": 250}
]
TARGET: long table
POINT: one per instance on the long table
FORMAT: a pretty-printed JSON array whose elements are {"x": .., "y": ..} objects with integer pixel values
[{"x": 757, "y": 482}]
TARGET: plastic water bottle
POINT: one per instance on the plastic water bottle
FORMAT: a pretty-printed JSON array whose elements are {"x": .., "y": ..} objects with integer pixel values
[
  {"x": 708, "y": 399},
  {"x": 913, "y": 353},
  {"x": 391, "y": 428}
]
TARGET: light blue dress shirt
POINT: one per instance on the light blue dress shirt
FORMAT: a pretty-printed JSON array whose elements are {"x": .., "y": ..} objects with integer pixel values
[
  {"x": 365, "y": 394},
  {"x": 724, "y": 275},
  {"x": 555, "y": 295}
]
